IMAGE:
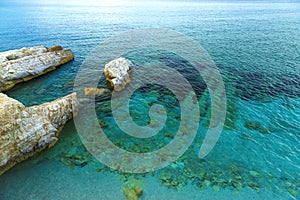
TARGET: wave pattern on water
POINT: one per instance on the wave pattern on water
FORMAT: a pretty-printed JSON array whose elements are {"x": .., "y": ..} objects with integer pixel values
[{"x": 255, "y": 46}]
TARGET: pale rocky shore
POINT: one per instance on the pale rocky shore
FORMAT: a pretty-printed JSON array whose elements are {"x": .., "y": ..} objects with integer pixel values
[
  {"x": 24, "y": 64},
  {"x": 25, "y": 131}
]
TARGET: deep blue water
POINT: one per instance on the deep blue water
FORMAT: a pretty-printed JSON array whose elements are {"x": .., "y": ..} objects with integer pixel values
[{"x": 256, "y": 47}]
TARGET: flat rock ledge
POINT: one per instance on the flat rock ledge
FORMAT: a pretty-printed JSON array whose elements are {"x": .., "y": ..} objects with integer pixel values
[
  {"x": 27, "y": 130},
  {"x": 24, "y": 64}
]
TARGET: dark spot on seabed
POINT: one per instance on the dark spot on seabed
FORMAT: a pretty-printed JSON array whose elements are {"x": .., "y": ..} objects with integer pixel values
[
  {"x": 186, "y": 70},
  {"x": 263, "y": 86},
  {"x": 283, "y": 178},
  {"x": 259, "y": 86},
  {"x": 252, "y": 125}
]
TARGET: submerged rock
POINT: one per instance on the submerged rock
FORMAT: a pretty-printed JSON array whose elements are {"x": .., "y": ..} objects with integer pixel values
[
  {"x": 132, "y": 193},
  {"x": 254, "y": 185},
  {"x": 27, "y": 130},
  {"x": 24, "y": 64},
  {"x": 264, "y": 130},
  {"x": 252, "y": 125},
  {"x": 96, "y": 91},
  {"x": 132, "y": 189},
  {"x": 117, "y": 73}
]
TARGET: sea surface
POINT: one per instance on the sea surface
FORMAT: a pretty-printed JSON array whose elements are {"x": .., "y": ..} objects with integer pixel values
[{"x": 256, "y": 47}]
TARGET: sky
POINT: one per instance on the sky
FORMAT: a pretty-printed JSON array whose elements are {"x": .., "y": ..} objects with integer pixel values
[{"x": 118, "y": 2}]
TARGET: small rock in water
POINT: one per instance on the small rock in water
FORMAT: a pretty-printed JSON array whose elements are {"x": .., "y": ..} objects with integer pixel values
[
  {"x": 96, "y": 91},
  {"x": 132, "y": 193},
  {"x": 117, "y": 73},
  {"x": 132, "y": 189}
]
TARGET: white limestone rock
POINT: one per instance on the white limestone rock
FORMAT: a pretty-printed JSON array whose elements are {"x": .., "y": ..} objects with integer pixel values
[
  {"x": 117, "y": 73},
  {"x": 22, "y": 65},
  {"x": 20, "y": 53},
  {"x": 27, "y": 130}
]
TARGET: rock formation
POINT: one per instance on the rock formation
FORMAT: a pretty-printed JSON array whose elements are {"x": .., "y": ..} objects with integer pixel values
[
  {"x": 117, "y": 73},
  {"x": 24, "y": 64},
  {"x": 27, "y": 130}
]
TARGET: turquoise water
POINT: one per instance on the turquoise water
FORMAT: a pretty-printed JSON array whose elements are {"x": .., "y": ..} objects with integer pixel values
[{"x": 256, "y": 47}]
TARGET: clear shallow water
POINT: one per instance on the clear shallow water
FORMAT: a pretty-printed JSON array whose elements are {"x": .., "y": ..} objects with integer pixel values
[{"x": 256, "y": 47}]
